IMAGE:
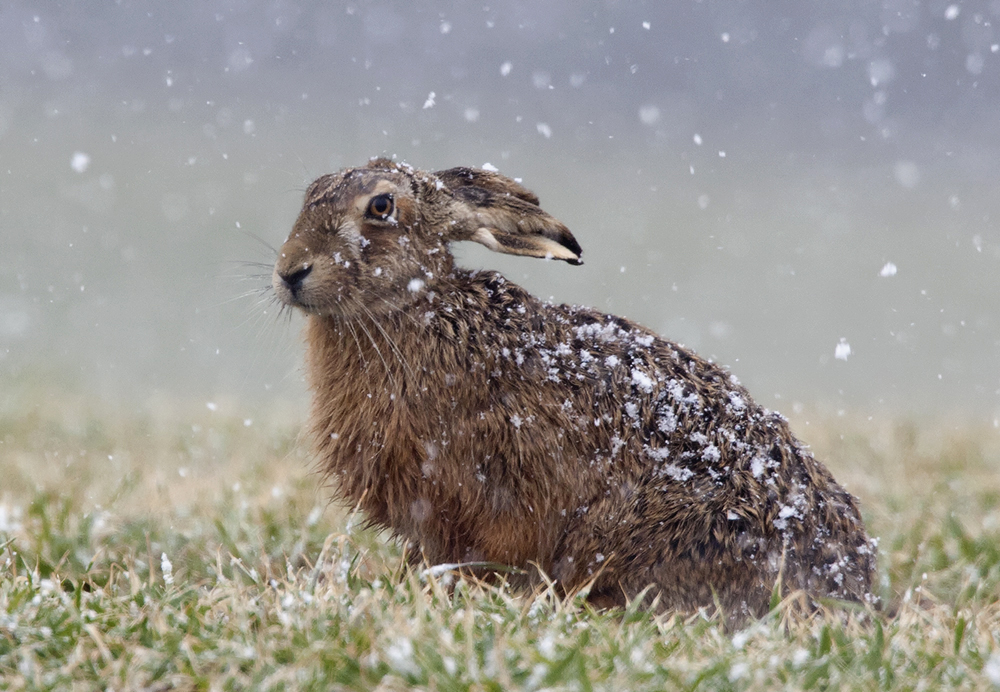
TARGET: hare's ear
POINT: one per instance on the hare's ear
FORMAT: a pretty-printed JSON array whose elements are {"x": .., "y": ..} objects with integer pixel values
[
  {"x": 488, "y": 180},
  {"x": 505, "y": 217}
]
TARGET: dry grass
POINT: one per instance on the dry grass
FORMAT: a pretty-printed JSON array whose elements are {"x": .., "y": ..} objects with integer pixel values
[{"x": 182, "y": 549}]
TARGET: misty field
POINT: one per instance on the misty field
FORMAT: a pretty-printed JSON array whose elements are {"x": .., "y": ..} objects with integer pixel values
[{"x": 191, "y": 548}]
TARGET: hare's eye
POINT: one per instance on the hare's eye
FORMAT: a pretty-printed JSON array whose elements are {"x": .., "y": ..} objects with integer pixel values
[{"x": 380, "y": 207}]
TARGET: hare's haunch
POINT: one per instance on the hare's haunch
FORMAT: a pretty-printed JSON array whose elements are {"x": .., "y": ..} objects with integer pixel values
[{"x": 484, "y": 425}]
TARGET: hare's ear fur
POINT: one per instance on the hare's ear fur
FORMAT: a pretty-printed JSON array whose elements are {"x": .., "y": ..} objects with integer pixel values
[{"x": 505, "y": 216}]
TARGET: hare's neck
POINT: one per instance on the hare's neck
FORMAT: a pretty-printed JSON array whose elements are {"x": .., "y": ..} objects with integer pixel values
[
  {"x": 361, "y": 424},
  {"x": 360, "y": 360},
  {"x": 382, "y": 363}
]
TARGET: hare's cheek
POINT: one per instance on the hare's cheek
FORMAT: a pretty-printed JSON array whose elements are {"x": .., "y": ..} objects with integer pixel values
[{"x": 351, "y": 243}]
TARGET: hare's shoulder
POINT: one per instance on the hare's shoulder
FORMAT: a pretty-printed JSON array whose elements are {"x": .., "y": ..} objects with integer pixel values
[{"x": 505, "y": 313}]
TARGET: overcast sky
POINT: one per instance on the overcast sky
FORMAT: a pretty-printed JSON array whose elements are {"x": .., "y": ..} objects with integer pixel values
[{"x": 766, "y": 187}]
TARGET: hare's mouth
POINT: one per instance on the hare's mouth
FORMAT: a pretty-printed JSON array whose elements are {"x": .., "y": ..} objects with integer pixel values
[
  {"x": 294, "y": 301},
  {"x": 301, "y": 301},
  {"x": 311, "y": 301}
]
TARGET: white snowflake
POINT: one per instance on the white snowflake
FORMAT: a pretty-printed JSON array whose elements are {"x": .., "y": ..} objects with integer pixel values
[{"x": 842, "y": 350}]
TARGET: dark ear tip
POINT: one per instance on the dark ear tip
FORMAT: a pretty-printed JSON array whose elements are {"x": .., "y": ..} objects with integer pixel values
[{"x": 567, "y": 240}]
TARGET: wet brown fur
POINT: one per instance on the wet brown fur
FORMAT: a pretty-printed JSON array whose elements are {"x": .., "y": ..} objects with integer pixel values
[{"x": 484, "y": 425}]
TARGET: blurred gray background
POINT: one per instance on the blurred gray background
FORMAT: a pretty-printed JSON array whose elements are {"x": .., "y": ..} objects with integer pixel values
[{"x": 768, "y": 183}]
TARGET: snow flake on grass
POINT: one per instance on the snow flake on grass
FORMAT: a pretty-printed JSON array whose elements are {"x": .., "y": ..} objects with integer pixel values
[
  {"x": 992, "y": 669},
  {"x": 399, "y": 655},
  {"x": 167, "y": 568},
  {"x": 10, "y": 519}
]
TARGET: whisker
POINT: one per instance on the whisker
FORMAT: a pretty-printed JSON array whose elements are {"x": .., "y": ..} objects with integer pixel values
[
  {"x": 263, "y": 242},
  {"x": 259, "y": 291},
  {"x": 361, "y": 353},
  {"x": 378, "y": 351},
  {"x": 260, "y": 322},
  {"x": 250, "y": 263},
  {"x": 389, "y": 340},
  {"x": 265, "y": 278},
  {"x": 261, "y": 316},
  {"x": 385, "y": 363},
  {"x": 397, "y": 311}
]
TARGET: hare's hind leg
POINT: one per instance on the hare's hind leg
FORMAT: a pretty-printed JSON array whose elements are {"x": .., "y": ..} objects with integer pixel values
[{"x": 625, "y": 550}]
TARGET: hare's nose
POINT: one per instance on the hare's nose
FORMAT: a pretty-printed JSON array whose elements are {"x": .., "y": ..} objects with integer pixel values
[{"x": 293, "y": 279}]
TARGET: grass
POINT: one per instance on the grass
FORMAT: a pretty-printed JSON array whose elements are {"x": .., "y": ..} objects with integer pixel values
[{"x": 183, "y": 549}]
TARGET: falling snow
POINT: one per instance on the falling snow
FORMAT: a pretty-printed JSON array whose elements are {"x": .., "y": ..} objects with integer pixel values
[
  {"x": 887, "y": 84},
  {"x": 842, "y": 350},
  {"x": 649, "y": 115},
  {"x": 907, "y": 173},
  {"x": 80, "y": 162}
]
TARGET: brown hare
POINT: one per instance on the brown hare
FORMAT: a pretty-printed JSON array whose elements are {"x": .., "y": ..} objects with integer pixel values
[{"x": 483, "y": 425}]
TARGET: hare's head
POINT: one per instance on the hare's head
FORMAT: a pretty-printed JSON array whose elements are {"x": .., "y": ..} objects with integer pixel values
[{"x": 373, "y": 238}]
